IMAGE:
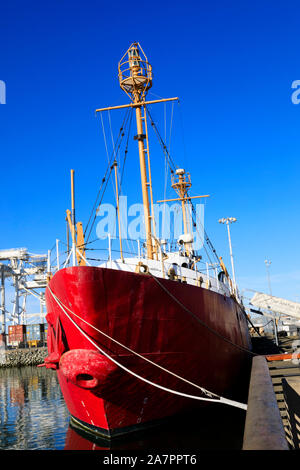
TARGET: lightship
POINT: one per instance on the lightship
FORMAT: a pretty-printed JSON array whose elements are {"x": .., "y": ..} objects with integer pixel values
[{"x": 140, "y": 338}]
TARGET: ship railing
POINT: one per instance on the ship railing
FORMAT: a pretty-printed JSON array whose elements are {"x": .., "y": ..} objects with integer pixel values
[
  {"x": 61, "y": 255},
  {"x": 107, "y": 253}
]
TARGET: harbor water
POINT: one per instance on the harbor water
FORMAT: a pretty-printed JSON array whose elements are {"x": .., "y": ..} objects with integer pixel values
[
  {"x": 34, "y": 417},
  {"x": 32, "y": 412}
]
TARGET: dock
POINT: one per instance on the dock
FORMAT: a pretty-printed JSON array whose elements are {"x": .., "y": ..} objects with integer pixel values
[
  {"x": 273, "y": 414},
  {"x": 285, "y": 376}
]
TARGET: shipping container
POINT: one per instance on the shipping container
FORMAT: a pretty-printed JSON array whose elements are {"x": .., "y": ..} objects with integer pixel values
[
  {"x": 2, "y": 340},
  {"x": 16, "y": 333},
  {"x": 16, "y": 328},
  {"x": 35, "y": 332},
  {"x": 45, "y": 332}
]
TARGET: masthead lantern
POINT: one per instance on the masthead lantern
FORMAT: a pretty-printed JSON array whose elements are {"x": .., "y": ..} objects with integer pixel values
[{"x": 135, "y": 73}]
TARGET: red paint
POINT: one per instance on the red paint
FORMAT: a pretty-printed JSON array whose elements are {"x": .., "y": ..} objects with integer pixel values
[
  {"x": 86, "y": 368},
  {"x": 137, "y": 312},
  {"x": 282, "y": 357}
]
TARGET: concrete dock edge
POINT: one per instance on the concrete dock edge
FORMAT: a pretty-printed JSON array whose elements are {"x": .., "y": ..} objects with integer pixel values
[
  {"x": 263, "y": 427},
  {"x": 22, "y": 357}
]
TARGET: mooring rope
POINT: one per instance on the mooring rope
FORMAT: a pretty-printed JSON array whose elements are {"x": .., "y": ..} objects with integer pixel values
[{"x": 218, "y": 398}]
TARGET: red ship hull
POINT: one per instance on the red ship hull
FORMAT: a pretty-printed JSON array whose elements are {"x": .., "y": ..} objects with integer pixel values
[{"x": 139, "y": 313}]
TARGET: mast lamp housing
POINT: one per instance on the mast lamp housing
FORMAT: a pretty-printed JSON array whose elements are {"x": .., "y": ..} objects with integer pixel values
[
  {"x": 181, "y": 181},
  {"x": 135, "y": 72}
]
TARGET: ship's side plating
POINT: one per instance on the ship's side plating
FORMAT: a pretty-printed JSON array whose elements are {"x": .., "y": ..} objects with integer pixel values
[{"x": 200, "y": 343}]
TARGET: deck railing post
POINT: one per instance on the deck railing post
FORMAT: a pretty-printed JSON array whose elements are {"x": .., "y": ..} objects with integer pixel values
[
  {"x": 109, "y": 249},
  {"x": 57, "y": 254}
]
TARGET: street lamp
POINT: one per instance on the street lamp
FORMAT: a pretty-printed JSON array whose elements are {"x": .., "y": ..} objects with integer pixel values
[
  {"x": 268, "y": 263},
  {"x": 228, "y": 221}
]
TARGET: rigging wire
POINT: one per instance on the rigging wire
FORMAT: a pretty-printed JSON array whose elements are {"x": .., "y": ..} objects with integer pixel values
[
  {"x": 207, "y": 239},
  {"x": 120, "y": 180},
  {"x": 106, "y": 148},
  {"x": 173, "y": 167},
  {"x": 126, "y": 149},
  {"x": 182, "y": 129},
  {"x": 163, "y": 145},
  {"x": 171, "y": 125},
  {"x": 166, "y": 164},
  {"x": 166, "y": 173},
  {"x": 111, "y": 133},
  {"x": 106, "y": 178}
]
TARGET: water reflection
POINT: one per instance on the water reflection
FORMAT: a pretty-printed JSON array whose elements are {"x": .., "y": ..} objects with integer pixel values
[
  {"x": 33, "y": 414},
  {"x": 216, "y": 427}
]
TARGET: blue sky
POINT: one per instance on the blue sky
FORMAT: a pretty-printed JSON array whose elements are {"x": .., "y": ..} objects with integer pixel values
[{"x": 236, "y": 129}]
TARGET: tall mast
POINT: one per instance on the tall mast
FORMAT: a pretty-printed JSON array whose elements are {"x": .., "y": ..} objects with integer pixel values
[{"x": 135, "y": 77}]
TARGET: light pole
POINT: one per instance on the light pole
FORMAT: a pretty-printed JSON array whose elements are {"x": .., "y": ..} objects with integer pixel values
[
  {"x": 268, "y": 263},
  {"x": 228, "y": 221}
]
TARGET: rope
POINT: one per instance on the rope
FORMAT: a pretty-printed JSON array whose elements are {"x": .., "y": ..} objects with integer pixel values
[
  {"x": 219, "y": 399},
  {"x": 130, "y": 350}
]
